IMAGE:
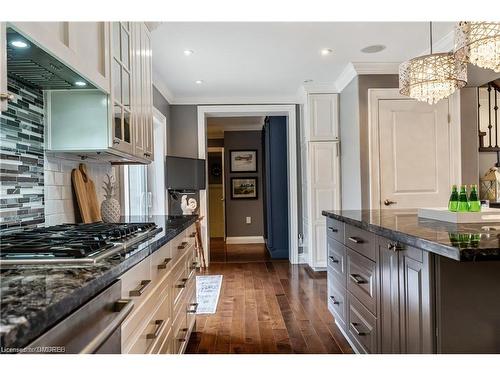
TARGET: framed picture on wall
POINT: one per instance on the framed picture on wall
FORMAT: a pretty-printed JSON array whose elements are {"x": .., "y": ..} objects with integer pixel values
[
  {"x": 243, "y": 161},
  {"x": 244, "y": 188}
]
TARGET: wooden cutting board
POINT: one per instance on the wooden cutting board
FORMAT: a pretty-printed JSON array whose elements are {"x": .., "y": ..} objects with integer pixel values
[{"x": 85, "y": 195}]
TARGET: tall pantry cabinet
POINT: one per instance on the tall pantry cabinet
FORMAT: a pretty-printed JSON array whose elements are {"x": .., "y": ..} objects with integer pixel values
[{"x": 320, "y": 166}]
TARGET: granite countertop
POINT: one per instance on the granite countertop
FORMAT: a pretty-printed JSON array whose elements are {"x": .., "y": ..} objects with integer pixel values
[
  {"x": 462, "y": 242},
  {"x": 35, "y": 298}
]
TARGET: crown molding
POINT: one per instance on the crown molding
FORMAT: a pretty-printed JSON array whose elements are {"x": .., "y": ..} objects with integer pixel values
[
  {"x": 325, "y": 88},
  {"x": 162, "y": 88},
  {"x": 354, "y": 69},
  {"x": 224, "y": 100}
]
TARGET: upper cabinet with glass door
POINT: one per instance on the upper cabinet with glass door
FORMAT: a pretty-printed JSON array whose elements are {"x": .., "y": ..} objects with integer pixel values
[{"x": 121, "y": 54}]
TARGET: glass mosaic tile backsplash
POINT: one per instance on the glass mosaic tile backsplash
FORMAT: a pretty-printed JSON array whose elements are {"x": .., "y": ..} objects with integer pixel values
[{"x": 21, "y": 158}]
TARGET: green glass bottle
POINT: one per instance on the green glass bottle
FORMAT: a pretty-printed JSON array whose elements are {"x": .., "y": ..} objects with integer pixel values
[
  {"x": 453, "y": 203},
  {"x": 474, "y": 202},
  {"x": 463, "y": 202}
]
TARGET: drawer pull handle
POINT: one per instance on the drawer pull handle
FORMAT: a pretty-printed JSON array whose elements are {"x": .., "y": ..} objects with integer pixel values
[
  {"x": 394, "y": 246},
  {"x": 335, "y": 302},
  {"x": 182, "y": 246},
  {"x": 164, "y": 264},
  {"x": 332, "y": 229},
  {"x": 357, "y": 279},
  {"x": 356, "y": 240},
  {"x": 194, "y": 265},
  {"x": 333, "y": 259},
  {"x": 183, "y": 339},
  {"x": 138, "y": 292},
  {"x": 192, "y": 235},
  {"x": 183, "y": 285},
  {"x": 357, "y": 331},
  {"x": 193, "y": 311},
  {"x": 159, "y": 326}
]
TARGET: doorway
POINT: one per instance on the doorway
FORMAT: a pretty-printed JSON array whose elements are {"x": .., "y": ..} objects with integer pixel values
[
  {"x": 411, "y": 151},
  {"x": 205, "y": 112}
]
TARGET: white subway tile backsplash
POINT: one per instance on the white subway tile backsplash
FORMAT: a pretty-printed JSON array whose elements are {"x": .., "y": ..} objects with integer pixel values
[{"x": 59, "y": 205}]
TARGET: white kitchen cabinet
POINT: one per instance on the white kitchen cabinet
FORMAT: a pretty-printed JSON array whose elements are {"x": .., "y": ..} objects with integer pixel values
[
  {"x": 121, "y": 72},
  {"x": 320, "y": 154},
  {"x": 81, "y": 45},
  {"x": 323, "y": 184},
  {"x": 142, "y": 92},
  {"x": 323, "y": 117}
]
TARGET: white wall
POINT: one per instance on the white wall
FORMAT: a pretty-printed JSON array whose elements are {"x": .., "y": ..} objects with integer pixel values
[{"x": 59, "y": 205}]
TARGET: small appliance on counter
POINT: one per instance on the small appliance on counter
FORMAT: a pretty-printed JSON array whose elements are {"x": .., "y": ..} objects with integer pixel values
[{"x": 73, "y": 243}]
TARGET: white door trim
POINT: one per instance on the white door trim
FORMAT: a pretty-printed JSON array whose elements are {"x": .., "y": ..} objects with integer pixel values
[
  {"x": 374, "y": 95},
  {"x": 254, "y": 110}
]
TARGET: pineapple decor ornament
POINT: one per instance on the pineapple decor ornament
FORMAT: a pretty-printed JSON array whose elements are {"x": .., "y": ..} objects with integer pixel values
[{"x": 110, "y": 207}]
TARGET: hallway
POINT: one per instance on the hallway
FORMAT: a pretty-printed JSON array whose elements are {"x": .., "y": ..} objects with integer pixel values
[
  {"x": 230, "y": 253},
  {"x": 268, "y": 307}
]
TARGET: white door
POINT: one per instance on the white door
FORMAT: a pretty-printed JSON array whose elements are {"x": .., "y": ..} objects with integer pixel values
[
  {"x": 414, "y": 144},
  {"x": 156, "y": 169}
]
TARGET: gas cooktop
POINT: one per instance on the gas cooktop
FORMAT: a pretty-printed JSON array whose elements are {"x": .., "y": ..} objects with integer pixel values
[{"x": 72, "y": 243}]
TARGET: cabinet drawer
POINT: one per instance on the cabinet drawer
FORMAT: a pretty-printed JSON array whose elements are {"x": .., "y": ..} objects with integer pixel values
[
  {"x": 361, "y": 240},
  {"x": 179, "y": 333},
  {"x": 161, "y": 262},
  {"x": 361, "y": 279},
  {"x": 337, "y": 302},
  {"x": 337, "y": 260},
  {"x": 167, "y": 345},
  {"x": 335, "y": 229},
  {"x": 132, "y": 325},
  {"x": 137, "y": 283},
  {"x": 156, "y": 328},
  {"x": 362, "y": 326}
]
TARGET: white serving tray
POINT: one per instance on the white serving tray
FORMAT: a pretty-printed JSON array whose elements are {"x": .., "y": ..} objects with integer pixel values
[{"x": 487, "y": 215}]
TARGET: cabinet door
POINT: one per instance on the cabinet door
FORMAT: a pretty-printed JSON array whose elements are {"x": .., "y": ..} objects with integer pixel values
[
  {"x": 137, "y": 96},
  {"x": 324, "y": 122},
  {"x": 389, "y": 297},
  {"x": 3, "y": 68},
  {"x": 121, "y": 59},
  {"x": 147, "y": 93},
  {"x": 416, "y": 321}
]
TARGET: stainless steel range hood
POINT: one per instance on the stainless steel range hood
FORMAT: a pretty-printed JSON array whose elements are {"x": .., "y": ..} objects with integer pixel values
[{"x": 32, "y": 65}]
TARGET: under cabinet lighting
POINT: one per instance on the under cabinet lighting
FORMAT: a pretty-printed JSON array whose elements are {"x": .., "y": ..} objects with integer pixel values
[
  {"x": 80, "y": 83},
  {"x": 19, "y": 44}
]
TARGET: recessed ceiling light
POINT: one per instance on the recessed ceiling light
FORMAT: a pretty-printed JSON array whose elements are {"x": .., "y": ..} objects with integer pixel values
[
  {"x": 19, "y": 44},
  {"x": 373, "y": 49},
  {"x": 198, "y": 82},
  {"x": 80, "y": 83},
  {"x": 188, "y": 52},
  {"x": 308, "y": 80},
  {"x": 326, "y": 51}
]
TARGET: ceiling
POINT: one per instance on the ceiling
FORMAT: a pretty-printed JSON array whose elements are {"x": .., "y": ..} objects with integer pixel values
[
  {"x": 216, "y": 126},
  {"x": 240, "y": 61}
]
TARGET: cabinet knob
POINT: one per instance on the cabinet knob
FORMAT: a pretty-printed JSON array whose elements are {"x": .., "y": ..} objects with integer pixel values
[
  {"x": 6, "y": 96},
  {"x": 116, "y": 142},
  {"x": 394, "y": 246},
  {"x": 388, "y": 202}
]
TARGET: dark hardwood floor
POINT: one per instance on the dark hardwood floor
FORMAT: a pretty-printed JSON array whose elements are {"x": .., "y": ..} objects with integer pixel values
[
  {"x": 222, "y": 252},
  {"x": 268, "y": 307}
]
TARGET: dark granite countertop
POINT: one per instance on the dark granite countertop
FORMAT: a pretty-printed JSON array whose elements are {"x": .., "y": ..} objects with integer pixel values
[
  {"x": 35, "y": 298},
  {"x": 462, "y": 242}
]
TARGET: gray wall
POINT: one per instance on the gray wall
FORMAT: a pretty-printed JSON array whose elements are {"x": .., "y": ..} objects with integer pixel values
[
  {"x": 161, "y": 104},
  {"x": 350, "y": 153},
  {"x": 237, "y": 210},
  {"x": 354, "y": 132}
]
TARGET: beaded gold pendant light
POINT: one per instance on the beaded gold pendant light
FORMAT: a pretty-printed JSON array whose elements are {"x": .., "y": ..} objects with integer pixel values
[
  {"x": 478, "y": 43},
  {"x": 432, "y": 77}
]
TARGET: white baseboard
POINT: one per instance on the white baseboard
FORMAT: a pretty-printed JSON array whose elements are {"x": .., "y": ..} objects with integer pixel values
[{"x": 244, "y": 240}]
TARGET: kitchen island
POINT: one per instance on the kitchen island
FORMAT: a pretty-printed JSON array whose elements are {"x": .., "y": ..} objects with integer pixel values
[
  {"x": 34, "y": 298},
  {"x": 401, "y": 284}
]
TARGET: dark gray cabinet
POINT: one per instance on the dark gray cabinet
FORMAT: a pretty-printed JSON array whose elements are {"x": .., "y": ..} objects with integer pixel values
[{"x": 406, "y": 324}]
